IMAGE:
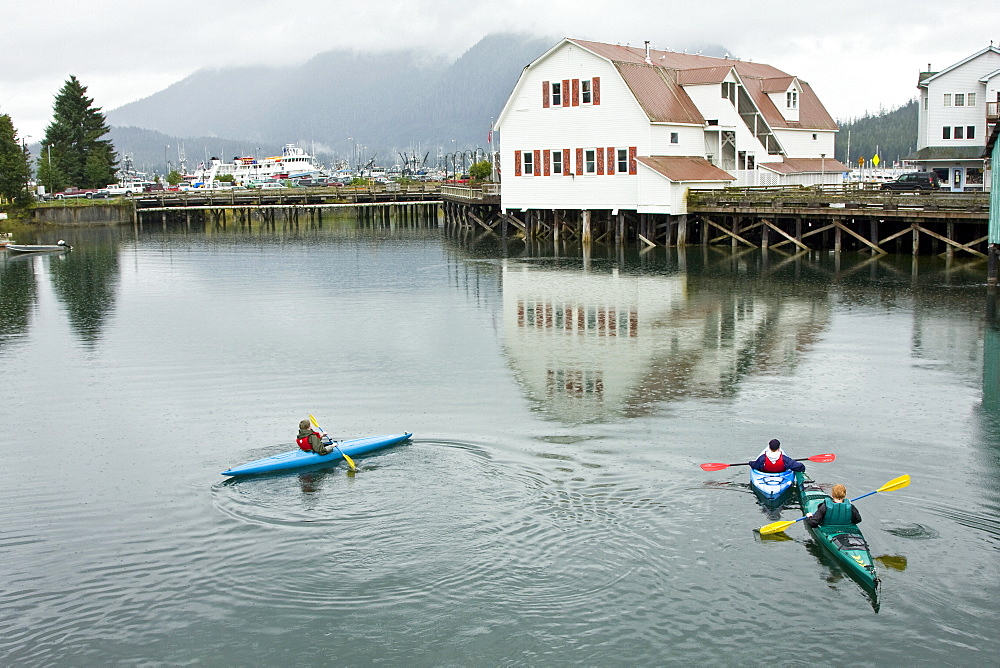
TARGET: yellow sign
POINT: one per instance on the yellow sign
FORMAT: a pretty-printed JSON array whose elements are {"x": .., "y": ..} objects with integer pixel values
[
  {"x": 875, "y": 160},
  {"x": 861, "y": 161}
]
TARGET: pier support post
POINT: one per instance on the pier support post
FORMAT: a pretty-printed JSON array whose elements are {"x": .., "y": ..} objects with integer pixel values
[
  {"x": 585, "y": 224},
  {"x": 682, "y": 230},
  {"x": 837, "y": 239}
]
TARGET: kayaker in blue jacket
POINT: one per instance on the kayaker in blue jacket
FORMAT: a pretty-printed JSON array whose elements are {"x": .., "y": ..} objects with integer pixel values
[
  {"x": 774, "y": 460},
  {"x": 834, "y": 511},
  {"x": 312, "y": 441}
]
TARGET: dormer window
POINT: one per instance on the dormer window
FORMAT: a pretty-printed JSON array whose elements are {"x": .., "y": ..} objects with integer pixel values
[{"x": 792, "y": 99}]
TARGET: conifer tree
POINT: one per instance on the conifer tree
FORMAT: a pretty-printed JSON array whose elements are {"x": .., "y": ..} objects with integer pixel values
[
  {"x": 73, "y": 151},
  {"x": 14, "y": 168}
]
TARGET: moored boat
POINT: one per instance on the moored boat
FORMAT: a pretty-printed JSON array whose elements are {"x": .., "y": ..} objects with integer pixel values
[
  {"x": 771, "y": 486},
  {"x": 299, "y": 458},
  {"x": 39, "y": 248},
  {"x": 844, "y": 541}
]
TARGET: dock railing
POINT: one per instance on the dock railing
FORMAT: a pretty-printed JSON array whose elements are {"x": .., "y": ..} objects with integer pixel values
[{"x": 470, "y": 193}]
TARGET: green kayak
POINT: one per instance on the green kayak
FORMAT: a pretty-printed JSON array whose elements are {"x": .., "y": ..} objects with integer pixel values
[{"x": 844, "y": 541}]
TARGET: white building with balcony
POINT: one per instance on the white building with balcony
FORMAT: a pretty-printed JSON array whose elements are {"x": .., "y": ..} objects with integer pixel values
[
  {"x": 952, "y": 123},
  {"x": 602, "y": 126}
]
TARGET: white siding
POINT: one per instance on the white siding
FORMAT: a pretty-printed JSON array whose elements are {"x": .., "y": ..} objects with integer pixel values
[
  {"x": 800, "y": 143},
  {"x": 617, "y": 122},
  {"x": 708, "y": 98},
  {"x": 963, "y": 79}
]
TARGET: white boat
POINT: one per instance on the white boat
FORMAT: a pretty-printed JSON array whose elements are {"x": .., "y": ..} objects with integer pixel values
[
  {"x": 39, "y": 248},
  {"x": 292, "y": 163}
]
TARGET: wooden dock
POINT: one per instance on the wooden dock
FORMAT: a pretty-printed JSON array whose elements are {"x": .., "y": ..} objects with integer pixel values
[{"x": 813, "y": 218}]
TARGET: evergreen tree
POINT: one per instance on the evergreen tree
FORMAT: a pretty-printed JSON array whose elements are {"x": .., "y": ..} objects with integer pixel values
[
  {"x": 14, "y": 166},
  {"x": 79, "y": 157}
]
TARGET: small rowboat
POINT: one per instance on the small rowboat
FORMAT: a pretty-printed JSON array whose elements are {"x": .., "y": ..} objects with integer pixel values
[
  {"x": 845, "y": 541},
  {"x": 294, "y": 459},
  {"x": 6, "y": 239},
  {"x": 39, "y": 248},
  {"x": 771, "y": 486}
]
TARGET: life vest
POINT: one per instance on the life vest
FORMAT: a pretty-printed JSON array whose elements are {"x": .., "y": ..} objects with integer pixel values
[
  {"x": 303, "y": 442},
  {"x": 837, "y": 513},
  {"x": 777, "y": 466}
]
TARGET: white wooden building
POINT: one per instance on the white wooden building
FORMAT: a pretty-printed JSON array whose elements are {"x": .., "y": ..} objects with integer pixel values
[
  {"x": 594, "y": 126},
  {"x": 952, "y": 128}
]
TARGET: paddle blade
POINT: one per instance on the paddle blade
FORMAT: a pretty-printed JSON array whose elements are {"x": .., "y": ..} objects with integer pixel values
[
  {"x": 350, "y": 461},
  {"x": 829, "y": 457},
  {"x": 714, "y": 467},
  {"x": 775, "y": 527},
  {"x": 894, "y": 484}
]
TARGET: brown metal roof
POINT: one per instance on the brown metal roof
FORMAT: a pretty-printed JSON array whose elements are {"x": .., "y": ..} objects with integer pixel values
[
  {"x": 776, "y": 84},
  {"x": 659, "y": 94},
  {"x": 693, "y": 69},
  {"x": 685, "y": 168},
  {"x": 805, "y": 166}
]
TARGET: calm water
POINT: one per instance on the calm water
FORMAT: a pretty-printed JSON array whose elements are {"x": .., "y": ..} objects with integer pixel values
[{"x": 548, "y": 511}]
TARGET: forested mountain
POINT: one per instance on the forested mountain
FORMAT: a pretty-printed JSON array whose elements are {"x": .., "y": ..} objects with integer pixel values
[
  {"x": 387, "y": 102},
  {"x": 893, "y": 133}
]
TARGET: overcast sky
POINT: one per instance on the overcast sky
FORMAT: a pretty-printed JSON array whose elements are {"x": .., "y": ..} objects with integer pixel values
[{"x": 858, "y": 55}]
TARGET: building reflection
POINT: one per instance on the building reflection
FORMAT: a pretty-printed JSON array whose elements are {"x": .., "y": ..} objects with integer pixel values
[{"x": 592, "y": 344}]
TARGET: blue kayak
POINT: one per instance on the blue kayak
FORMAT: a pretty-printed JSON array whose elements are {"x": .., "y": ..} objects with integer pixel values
[
  {"x": 294, "y": 459},
  {"x": 771, "y": 485}
]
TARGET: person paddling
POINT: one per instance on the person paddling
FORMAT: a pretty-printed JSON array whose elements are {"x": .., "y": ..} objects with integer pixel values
[
  {"x": 836, "y": 510},
  {"x": 312, "y": 441},
  {"x": 774, "y": 460}
]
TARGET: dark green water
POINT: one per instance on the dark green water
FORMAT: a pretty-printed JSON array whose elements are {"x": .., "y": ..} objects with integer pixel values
[{"x": 549, "y": 510}]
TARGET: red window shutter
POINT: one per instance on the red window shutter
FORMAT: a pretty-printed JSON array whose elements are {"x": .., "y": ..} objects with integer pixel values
[
  {"x": 545, "y": 94},
  {"x": 596, "y": 90},
  {"x": 538, "y": 162},
  {"x": 631, "y": 159},
  {"x": 576, "y": 92},
  {"x": 579, "y": 161},
  {"x": 565, "y": 92},
  {"x": 600, "y": 161},
  {"x": 547, "y": 160},
  {"x": 611, "y": 160},
  {"x": 567, "y": 168},
  {"x": 517, "y": 163}
]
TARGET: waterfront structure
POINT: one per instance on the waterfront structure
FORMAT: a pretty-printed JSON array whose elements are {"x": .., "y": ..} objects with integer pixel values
[
  {"x": 594, "y": 127},
  {"x": 293, "y": 162},
  {"x": 952, "y": 120}
]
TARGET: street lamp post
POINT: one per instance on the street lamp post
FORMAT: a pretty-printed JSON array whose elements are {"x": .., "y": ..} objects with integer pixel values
[{"x": 27, "y": 163}]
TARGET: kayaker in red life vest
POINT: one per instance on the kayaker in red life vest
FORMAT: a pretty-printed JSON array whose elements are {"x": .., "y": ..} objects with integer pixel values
[
  {"x": 774, "y": 460},
  {"x": 834, "y": 511},
  {"x": 312, "y": 441}
]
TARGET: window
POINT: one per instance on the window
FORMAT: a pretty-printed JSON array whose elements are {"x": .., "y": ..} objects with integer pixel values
[
  {"x": 585, "y": 92},
  {"x": 675, "y": 138},
  {"x": 970, "y": 100},
  {"x": 589, "y": 161},
  {"x": 557, "y": 161},
  {"x": 947, "y": 99},
  {"x": 970, "y": 132},
  {"x": 946, "y": 132},
  {"x": 622, "y": 161},
  {"x": 925, "y": 102},
  {"x": 959, "y": 99},
  {"x": 556, "y": 94},
  {"x": 959, "y": 132},
  {"x": 529, "y": 163},
  {"x": 729, "y": 91},
  {"x": 815, "y": 136},
  {"x": 792, "y": 99}
]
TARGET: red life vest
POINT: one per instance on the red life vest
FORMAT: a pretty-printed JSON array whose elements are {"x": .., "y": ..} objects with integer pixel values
[
  {"x": 777, "y": 466},
  {"x": 303, "y": 442}
]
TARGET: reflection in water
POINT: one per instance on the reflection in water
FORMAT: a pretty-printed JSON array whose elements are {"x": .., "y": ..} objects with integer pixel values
[
  {"x": 896, "y": 562},
  {"x": 86, "y": 282},
  {"x": 592, "y": 344},
  {"x": 17, "y": 294}
]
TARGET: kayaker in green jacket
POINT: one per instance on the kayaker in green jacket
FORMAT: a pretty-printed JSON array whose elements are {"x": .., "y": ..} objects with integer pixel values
[
  {"x": 312, "y": 441},
  {"x": 836, "y": 510}
]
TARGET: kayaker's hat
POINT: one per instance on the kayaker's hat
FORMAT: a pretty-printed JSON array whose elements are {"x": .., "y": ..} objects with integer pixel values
[
  {"x": 304, "y": 424},
  {"x": 774, "y": 444}
]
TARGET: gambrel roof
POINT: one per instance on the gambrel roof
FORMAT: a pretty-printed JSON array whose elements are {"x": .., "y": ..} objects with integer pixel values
[{"x": 758, "y": 80}]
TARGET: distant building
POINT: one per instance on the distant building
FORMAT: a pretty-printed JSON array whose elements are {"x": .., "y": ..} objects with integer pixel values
[
  {"x": 603, "y": 126},
  {"x": 952, "y": 129}
]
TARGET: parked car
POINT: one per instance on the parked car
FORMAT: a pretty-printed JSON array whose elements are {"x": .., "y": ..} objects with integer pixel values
[
  {"x": 103, "y": 193},
  {"x": 272, "y": 185},
  {"x": 153, "y": 188},
  {"x": 913, "y": 181}
]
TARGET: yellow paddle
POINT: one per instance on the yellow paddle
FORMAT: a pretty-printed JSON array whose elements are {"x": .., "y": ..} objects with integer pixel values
[
  {"x": 891, "y": 486},
  {"x": 336, "y": 447}
]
